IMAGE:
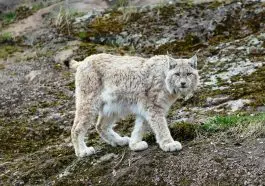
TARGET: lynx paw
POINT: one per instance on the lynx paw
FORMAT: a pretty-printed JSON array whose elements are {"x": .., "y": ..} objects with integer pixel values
[
  {"x": 172, "y": 146},
  {"x": 86, "y": 152},
  {"x": 142, "y": 145}
]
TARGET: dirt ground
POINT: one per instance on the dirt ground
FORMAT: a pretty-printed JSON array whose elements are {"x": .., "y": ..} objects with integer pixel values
[{"x": 37, "y": 104}]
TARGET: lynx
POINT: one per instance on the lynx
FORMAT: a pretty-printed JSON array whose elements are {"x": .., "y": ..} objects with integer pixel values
[{"x": 110, "y": 87}]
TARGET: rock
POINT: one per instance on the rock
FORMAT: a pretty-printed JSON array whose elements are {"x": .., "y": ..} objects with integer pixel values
[
  {"x": 107, "y": 157},
  {"x": 33, "y": 75},
  {"x": 64, "y": 55},
  {"x": 236, "y": 105},
  {"x": 86, "y": 18},
  {"x": 261, "y": 36},
  {"x": 55, "y": 117},
  {"x": 256, "y": 51},
  {"x": 163, "y": 41},
  {"x": 254, "y": 42},
  {"x": 216, "y": 101},
  {"x": 261, "y": 109}
]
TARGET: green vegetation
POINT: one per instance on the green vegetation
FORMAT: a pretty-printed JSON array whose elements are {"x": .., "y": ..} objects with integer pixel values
[
  {"x": 186, "y": 46},
  {"x": 8, "y": 50},
  {"x": 16, "y": 130},
  {"x": 166, "y": 11},
  {"x": 222, "y": 123},
  {"x": 121, "y": 3},
  {"x": 20, "y": 12},
  {"x": 8, "y": 18},
  {"x": 237, "y": 126},
  {"x": 2, "y": 66},
  {"x": 6, "y": 37},
  {"x": 63, "y": 21},
  {"x": 215, "y": 4},
  {"x": 103, "y": 26},
  {"x": 83, "y": 35},
  {"x": 37, "y": 6},
  {"x": 23, "y": 12}
]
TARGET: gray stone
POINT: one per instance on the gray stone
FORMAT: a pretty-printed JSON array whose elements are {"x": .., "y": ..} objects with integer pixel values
[
  {"x": 64, "y": 55},
  {"x": 107, "y": 157},
  {"x": 254, "y": 42},
  {"x": 33, "y": 75},
  {"x": 236, "y": 105}
]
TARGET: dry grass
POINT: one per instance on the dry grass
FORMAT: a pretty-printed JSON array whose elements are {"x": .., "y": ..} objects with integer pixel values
[{"x": 63, "y": 21}]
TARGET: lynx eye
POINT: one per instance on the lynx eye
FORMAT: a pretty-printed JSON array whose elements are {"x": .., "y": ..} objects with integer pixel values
[
  {"x": 177, "y": 74},
  {"x": 189, "y": 74}
]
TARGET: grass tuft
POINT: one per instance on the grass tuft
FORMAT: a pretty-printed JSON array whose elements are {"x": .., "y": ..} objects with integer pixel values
[{"x": 239, "y": 127}]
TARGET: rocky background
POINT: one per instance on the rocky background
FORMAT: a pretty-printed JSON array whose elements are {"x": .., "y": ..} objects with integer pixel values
[{"x": 222, "y": 126}]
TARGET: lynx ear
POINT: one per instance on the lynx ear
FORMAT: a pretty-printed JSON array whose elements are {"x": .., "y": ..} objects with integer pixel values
[
  {"x": 193, "y": 61},
  {"x": 171, "y": 64}
]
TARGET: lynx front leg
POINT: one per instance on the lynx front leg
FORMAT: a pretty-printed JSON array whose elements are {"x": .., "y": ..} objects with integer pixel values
[
  {"x": 159, "y": 125},
  {"x": 136, "y": 143}
]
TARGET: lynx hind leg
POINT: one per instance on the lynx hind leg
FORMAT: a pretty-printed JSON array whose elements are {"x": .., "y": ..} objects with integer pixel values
[
  {"x": 83, "y": 120},
  {"x": 105, "y": 130},
  {"x": 136, "y": 143}
]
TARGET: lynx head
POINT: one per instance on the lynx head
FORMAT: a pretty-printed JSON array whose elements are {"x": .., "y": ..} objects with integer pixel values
[{"x": 182, "y": 75}]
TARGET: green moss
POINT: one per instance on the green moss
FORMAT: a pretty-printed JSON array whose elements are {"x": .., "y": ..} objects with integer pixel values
[
  {"x": 85, "y": 49},
  {"x": 134, "y": 17},
  {"x": 186, "y": 46},
  {"x": 104, "y": 26},
  {"x": 32, "y": 110},
  {"x": 183, "y": 131},
  {"x": 8, "y": 50},
  {"x": 71, "y": 85},
  {"x": 121, "y": 3},
  {"x": 23, "y": 12},
  {"x": 83, "y": 35},
  {"x": 8, "y": 18},
  {"x": 6, "y": 37},
  {"x": 215, "y": 4},
  {"x": 61, "y": 96},
  {"x": 166, "y": 12},
  {"x": 58, "y": 66},
  {"x": 19, "y": 137},
  {"x": 252, "y": 87},
  {"x": 37, "y": 6},
  {"x": 255, "y": 23},
  {"x": 2, "y": 66}
]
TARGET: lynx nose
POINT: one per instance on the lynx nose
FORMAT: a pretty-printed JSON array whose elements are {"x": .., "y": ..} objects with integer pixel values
[{"x": 183, "y": 84}]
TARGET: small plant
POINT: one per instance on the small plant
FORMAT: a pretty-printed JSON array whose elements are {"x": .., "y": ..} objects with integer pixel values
[
  {"x": 121, "y": 3},
  {"x": 64, "y": 21},
  {"x": 8, "y": 18},
  {"x": 23, "y": 12},
  {"x": 220, "y": 123},
  {"x": 6, "y": 37},
  {"x": 8, "y": 50},
  {"x": 37, "y": 7},
  {"x": 237, "y": 126},
  {"x": 83, "y": 35},
  {"x": 2, "y": 66},
  {"x": 128, "y": 12}
]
